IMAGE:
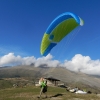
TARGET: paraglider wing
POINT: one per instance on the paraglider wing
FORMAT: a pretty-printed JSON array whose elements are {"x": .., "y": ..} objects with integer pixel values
[{"x": 58, "y": 29}]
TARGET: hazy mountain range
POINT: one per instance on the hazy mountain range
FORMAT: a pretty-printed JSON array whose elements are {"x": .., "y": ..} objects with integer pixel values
[{"x": 60, "y": 73}]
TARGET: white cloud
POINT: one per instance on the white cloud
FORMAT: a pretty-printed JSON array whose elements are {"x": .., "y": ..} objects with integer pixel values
[
  {"x": 83, "y": 64},
  {"x": 47, "y": 60},
  {"x": 11, "y": 59},
  {"x": 77, "y": 63}
]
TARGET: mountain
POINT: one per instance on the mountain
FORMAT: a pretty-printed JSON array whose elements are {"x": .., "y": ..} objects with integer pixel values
[{"x": 60, "y": 73}]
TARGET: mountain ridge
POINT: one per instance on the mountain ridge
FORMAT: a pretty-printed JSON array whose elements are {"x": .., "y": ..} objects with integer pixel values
[{"x": 60, "y": 73}]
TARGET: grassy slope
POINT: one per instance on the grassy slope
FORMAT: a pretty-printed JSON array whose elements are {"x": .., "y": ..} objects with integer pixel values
[
  {"x": 71, "y": 78},
  {"x": 54, "y": 93}
]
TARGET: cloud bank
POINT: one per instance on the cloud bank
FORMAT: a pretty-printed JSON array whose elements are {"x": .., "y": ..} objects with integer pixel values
[{"x": 78, "y": 63}]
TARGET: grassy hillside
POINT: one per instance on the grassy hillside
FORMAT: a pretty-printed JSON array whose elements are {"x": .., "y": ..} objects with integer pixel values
[
  {"x": 54, "y": 93},
  {"x": 17, "y": 72},
  {"x": 5, "y": 84},
  {"x": 66, "y": 76}
]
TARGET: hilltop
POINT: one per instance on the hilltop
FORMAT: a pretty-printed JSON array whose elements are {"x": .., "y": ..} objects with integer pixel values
[{"x": 66, "y": 76}]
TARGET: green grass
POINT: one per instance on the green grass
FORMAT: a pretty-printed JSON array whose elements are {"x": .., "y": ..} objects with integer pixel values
[
  {"x": 32, "y": 92},
  {"x": 5, "y": 84}
]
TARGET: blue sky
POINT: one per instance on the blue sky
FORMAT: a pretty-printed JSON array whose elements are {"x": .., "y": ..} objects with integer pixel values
[{"x": 23, "y": 23}]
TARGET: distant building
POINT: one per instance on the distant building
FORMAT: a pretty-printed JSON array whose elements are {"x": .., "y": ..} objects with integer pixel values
[
  {"x": 53, "y": 81},
  {"x": 50, "y": 81}
]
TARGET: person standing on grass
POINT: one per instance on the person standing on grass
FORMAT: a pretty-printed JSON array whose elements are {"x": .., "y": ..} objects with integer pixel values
[{"x": 43, "y": 85}]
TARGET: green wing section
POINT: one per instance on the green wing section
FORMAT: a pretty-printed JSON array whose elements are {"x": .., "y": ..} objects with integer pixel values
[
  {"x": 45, "y": 43},
  {"x": 57, "y": 34},
  {"x": 63, "y": 29}
]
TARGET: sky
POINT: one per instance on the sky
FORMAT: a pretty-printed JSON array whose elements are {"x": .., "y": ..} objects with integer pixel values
[{"x": 24, "y": 22}]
